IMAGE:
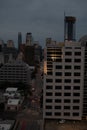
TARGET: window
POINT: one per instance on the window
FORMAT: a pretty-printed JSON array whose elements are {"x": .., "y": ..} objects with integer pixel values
[
  {"x": 68, "y": 67},
  {"x": 66, "y": 113},
  {"x": 76, "y": 74},
  {"x": 68, "y": 60},
  {"x": 75, "y": 114},
  {"x": 67, "y": 81},
  {"x": 68, "y": 53},
  {"x": 76, "y": 101},
  {"x": 68, "y": 47},
  {"x": 58, "y": 80},
  {"x": 48, "y": 113},
  {"x": 77, "y": 47},
  {"x": 67, "y": 100},
  {"x": 58, "y": 87},
  {"x": 77, "y": 53},
  {"x": 57, "y": 113},
  {"x": 49, "y": 87},
  {"x": 49, "y": 73},
  {"x": 77, "y": 60},
  {"x": 49, "y": 80},
  {"x": 57, "y": 107},
  {"x": 67, "y": 94},
  {"x": 58, "y": 94},
  {"x": 77, "y": 67},
  {"x": 75, "y": 107},
  {"x": 48, "y": 100},
  {"x": 59, "y": 60},
  {"x": 76, "y": 94},
  {"x": 66, "y": 107},
  {"x": 76, "y": 80},
  {"x": 67, "y": 87},
  {"x": 67, "y": 74},
  {"x": 58, "y": 67},
  {"x": 58, "y": 73},
  {"x": 48, "y": 107},
  {"x": 57, "y": 100},
  {"x": 48, "y": 94},
  {"x": 76, "y": 87},
  {"x": 49, "y": 66}
]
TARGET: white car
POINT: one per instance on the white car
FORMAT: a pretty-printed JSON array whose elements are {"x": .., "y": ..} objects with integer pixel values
[{"x": 62, "y": 121}]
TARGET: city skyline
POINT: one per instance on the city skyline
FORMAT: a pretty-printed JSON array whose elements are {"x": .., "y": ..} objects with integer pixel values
[{"x": 42, "y": 18}]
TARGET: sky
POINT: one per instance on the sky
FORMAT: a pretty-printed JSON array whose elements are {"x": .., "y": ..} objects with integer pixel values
[{"x": 43, "y": 18}]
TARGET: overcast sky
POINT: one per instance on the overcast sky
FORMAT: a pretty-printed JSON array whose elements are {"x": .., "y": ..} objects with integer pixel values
[{"x": 44, "y": 18}]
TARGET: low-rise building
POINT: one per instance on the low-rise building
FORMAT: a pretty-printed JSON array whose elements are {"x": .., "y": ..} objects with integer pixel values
[{"x": 13, "y": 105}]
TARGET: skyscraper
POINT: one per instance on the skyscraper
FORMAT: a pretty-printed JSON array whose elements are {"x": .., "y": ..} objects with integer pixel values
[
  {"x": 28, "y": 39},
  {"x": 19, "y": 40},
  {"x": 69, "y": 29}
]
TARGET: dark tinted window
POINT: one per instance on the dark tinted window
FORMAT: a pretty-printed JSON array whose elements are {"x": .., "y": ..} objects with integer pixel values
[
  {"x": 67, "y": 94},
  {"x": 48, "y": 100},
  {"x": 58, "y": 80},
  {"x": 58, "y": 67},
  {"x": 57, "y": 107},
  {"x": 57, "y": 100},
  {"x": 68, "y": 60},
  {"x": 68, "y": 53},
  {"x": 48, "y": 94},
  {"x": 68, "y": 67},
  {"x": 67, "y": 100},
  {"x": 58, "y": 73},
  {"x": 57, "y": 94},
  {"x": 67, "y": 74}
]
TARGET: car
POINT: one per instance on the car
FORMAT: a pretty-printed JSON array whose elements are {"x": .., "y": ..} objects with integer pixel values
[{"x": 62, "y": 121}]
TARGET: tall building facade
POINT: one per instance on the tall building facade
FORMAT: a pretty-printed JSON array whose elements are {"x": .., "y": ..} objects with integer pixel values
[
  {"x": 19, "y": 40},
  {"x": 63, "y": 81},
  {"x": 70, "y": 28},
  {"x": 29, "y": 39},
  {"x": 83, "y": 41}
]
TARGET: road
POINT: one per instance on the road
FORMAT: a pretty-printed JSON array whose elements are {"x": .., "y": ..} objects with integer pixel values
[{"x": 29, "y": 120}]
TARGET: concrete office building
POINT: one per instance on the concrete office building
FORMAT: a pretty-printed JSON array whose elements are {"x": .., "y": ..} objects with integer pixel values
[
  {"x": 83, "y": 41},
  {"x": 15, "y": 71},
  {"x": 19, "y": 40},
  {"x": 63, "y": 80},
  {"x": 29, "y": 39}
]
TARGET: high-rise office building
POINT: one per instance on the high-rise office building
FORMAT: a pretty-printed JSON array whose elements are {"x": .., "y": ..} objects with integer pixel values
[
  {"x": 28, "y": 39},
  {"x": 69, "y": 29},
  {"x": 83, "y": 41},
  {"x": 19, "y": 40},
  {"x": 63, "y": 81}
]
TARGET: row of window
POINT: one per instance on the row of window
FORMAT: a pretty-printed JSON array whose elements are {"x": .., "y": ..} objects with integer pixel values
[
  {"x": 65, "y": 107},
  {"x": 65, "y": 101},
  {"x": 67, "y": 74},
  {"x": 68, "y": 53},
  {"x": 78, "y": 53},
  {"x": 65, "y": 80},
  {"x": 66, "y": 60},
  {"x": 65, "y": 87},
  {"x": 60, "y": 94},
  {"x": 68, "y": 67},
  {"x": 65, "y": 114}
]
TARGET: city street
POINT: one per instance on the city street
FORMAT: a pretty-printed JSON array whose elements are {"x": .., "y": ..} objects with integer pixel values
[{"x": 29, "y": 120}]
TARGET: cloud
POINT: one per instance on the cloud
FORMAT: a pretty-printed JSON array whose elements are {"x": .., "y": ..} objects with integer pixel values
[{"x": 44, "y": 18}]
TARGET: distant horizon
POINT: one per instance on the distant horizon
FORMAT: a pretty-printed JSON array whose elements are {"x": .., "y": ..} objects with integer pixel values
[{"x": 42, "y": 18}]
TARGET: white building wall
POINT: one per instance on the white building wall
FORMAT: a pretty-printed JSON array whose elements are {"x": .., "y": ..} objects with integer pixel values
[{"x": 60, "y": 105}]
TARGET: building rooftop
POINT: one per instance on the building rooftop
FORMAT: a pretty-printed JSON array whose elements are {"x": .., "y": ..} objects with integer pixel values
[
  {"x": 11, "y": 89},
  {"x": 13, "y": 101}
]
